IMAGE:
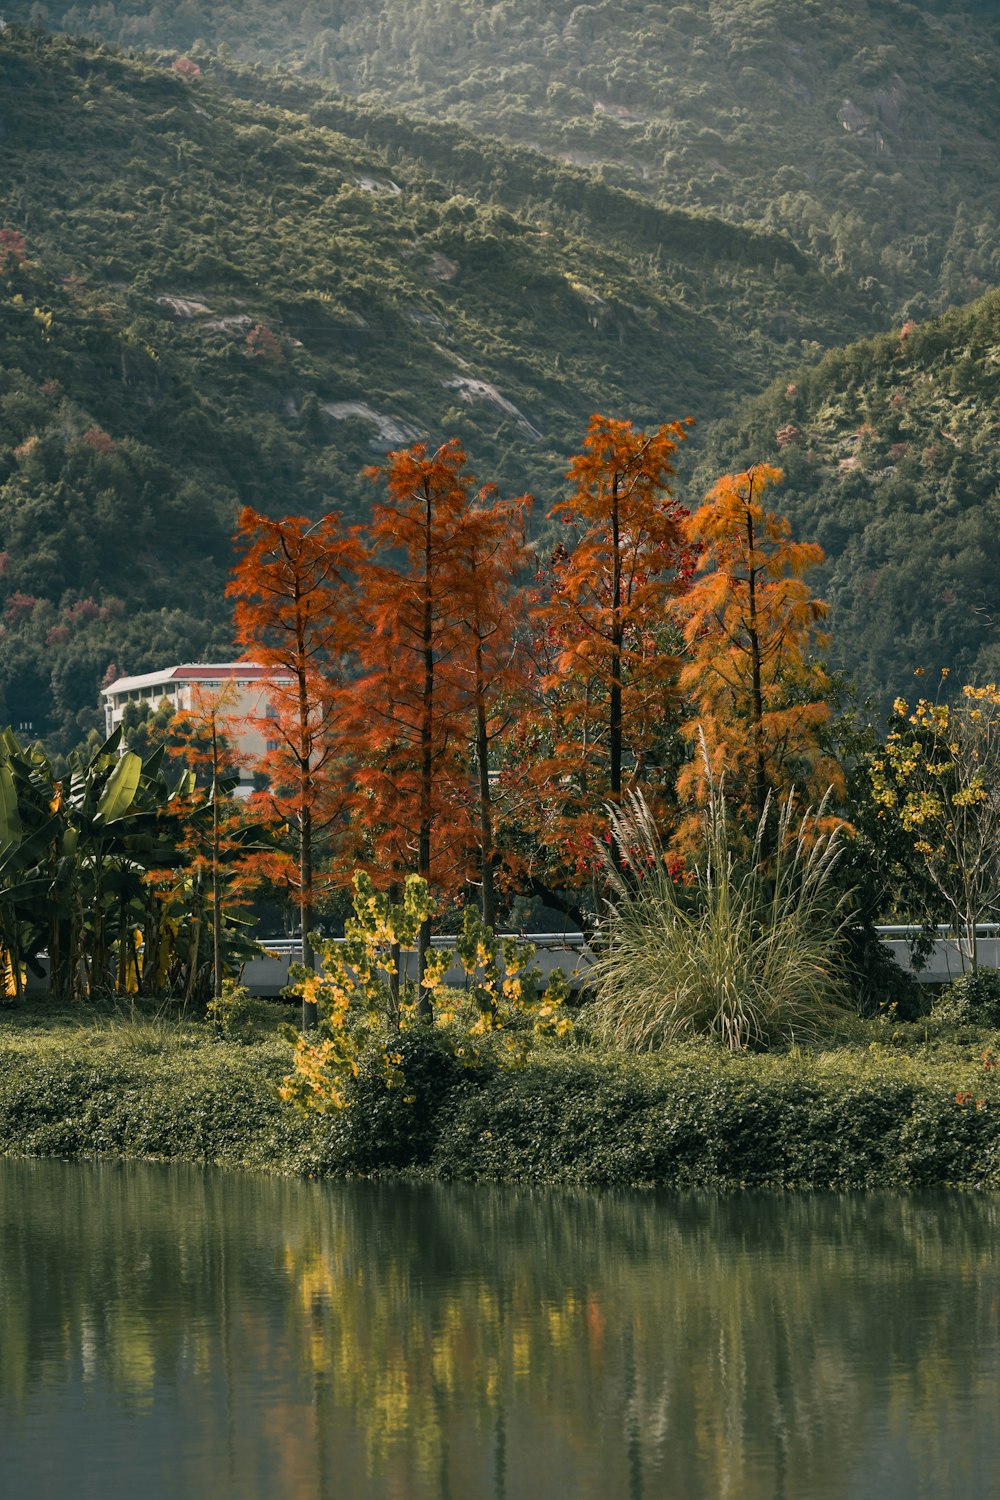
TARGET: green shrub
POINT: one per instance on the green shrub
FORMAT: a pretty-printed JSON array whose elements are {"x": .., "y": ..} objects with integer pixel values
[
  {"x": 693, "y": 1116},
  {"x": 701, "y": 1119},
  {"x": 235, "y": 1014},
  {"x": 144, "y": 1090},
  {"x": 395, "y": 1104},
  {"x": 973, "y": 999}
]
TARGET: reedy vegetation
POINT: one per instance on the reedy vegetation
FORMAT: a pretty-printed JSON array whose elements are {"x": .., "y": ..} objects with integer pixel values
[{"x": 748, "y": 955}]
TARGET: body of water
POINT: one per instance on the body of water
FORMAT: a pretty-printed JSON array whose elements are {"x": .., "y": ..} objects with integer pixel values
[{"x": 167, "y": 1332}]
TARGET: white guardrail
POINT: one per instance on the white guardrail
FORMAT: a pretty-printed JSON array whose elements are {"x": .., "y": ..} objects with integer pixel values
[
  {"x": 569, "y": 951},
  {"x": 949, "y": 955},
  {"x": 267, "y": 975},
  {"x": 553, "y": 950}
]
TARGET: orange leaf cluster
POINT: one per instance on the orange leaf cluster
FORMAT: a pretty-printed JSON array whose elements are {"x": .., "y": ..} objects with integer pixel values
[
  {"x": 754, "y": 688},
  {"x": 434, "y": 715}
]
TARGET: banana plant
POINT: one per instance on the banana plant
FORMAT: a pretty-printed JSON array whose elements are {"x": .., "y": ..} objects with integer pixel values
[{"x": 106, "y": 870}]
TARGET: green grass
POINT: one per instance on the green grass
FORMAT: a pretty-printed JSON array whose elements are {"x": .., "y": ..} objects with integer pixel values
[
  {"x": 888, "y": 1107},
  {"x": 149, "y": 1087}
]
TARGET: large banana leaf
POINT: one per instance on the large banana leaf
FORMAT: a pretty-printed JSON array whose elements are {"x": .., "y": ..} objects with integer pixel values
[
  {"x": 10, "y": 817},
  {"x": 118, "y": 795}
]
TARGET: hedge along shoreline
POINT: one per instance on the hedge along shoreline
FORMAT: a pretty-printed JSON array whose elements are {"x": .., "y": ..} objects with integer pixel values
[{"x": 881, "y": 1117}]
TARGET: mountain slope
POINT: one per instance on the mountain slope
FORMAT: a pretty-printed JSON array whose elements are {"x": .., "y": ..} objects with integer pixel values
[
  {"x": 891, "y": 450},
  {"x": 867, "y": 130},
  {"x": 207, "y": 299}
]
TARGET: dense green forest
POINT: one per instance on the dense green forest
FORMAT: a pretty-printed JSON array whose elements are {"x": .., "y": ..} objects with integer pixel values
[
  {"x": 223, "y": 284},
  {"x": 210, "y": 299},
  {"x": 890, "y": 449},
  {"x": 865, "y": 130}
]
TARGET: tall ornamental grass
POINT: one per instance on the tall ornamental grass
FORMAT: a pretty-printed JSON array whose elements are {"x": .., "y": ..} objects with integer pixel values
[{"x": 749, "y": 955}]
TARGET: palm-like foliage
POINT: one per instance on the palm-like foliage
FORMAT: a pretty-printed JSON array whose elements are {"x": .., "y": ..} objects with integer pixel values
[
  {"x": 76, "y": 857},
  {"x": 747, "y": 956}
]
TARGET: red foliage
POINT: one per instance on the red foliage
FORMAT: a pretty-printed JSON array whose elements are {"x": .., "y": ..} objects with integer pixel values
[
  {"x": 13, "y": 251},
  {"x": 84, "y": 610},
  {"x": 605, "y": 665},
  {"x": 263, "y": 344},
  {"x": 95, "y": 437},
  {"x": 296, "y": 614},
  {"x": 411, "y": 704},
  {"x": 18, "y": 606},
  {"x": 185, "y": 67}
]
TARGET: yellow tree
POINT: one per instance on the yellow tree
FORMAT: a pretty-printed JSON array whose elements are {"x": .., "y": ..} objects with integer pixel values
[
  {"x": 938, "y": 779},
  {"x": 755, "y": 691}
]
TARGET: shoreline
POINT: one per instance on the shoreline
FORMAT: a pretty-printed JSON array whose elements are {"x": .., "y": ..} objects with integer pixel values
[{"x": 896, "y": 1116}]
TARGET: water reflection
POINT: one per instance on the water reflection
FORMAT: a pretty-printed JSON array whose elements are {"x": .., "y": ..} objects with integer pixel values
[{"x": 166, "y": 1331}]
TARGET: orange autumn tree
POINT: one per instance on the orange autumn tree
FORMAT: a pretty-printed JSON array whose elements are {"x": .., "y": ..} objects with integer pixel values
[
  {"x": 489, "y": 665},
  {"x": 295, "y": 613},
  {"x": 420, "y": 588},
  {"x": 755, "y": 691},
  {"x": 606, "y": 668}
]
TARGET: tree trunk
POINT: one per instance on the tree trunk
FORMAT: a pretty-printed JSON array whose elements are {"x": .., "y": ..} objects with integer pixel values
[
  {"x": 487, "y": 855},
  {"x": 216, "y": 912},
  {"x": 310, "y": 1010},
  {"x": 424, "y": 1008},
  {"x": 194, "y": 944},
  {"x": 615, "y": 707}
]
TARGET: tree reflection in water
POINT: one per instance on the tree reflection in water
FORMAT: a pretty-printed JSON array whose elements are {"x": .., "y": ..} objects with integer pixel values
[{"x": 234, "y": 1335}]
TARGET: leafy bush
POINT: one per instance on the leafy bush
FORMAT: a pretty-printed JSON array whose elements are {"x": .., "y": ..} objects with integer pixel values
[
  {"x": 397, "y": 1099},
  {"x": 700, "y": 1118},
  {"x": 973, "y": 999},
  {"x": 366, "y": 1005},
  {"x": 149, "y": 1091},
  {"x": 693, "y": 1116},
  {"x": 750, "y": 961},
  {"x": 235, "y": 1014}
]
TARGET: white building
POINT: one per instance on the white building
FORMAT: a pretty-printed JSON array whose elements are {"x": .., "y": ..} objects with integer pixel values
[{"x": 240, "y": 690}]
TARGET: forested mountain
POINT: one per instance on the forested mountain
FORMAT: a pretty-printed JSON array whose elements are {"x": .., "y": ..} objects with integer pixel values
[
  {"x": 891, "y": 452},
  {"x": 208, "y": 298},
  {"x": 865, "y": 129},
  {"x": 221, "y": 284}
]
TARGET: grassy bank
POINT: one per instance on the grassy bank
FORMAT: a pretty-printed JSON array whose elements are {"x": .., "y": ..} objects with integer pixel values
[{"x": 894, "y": 1108}]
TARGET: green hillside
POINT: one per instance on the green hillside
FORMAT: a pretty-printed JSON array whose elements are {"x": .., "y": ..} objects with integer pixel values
[
  {"x": 242, "y": 286},
  {"x": 891, "y": 451},
  {"x": 865, "y": 129},
  {"x": 207, "y": 298}
]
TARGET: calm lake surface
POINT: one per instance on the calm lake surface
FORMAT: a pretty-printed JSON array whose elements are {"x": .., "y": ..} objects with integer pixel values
[{"x": 166, "y": 1332}]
